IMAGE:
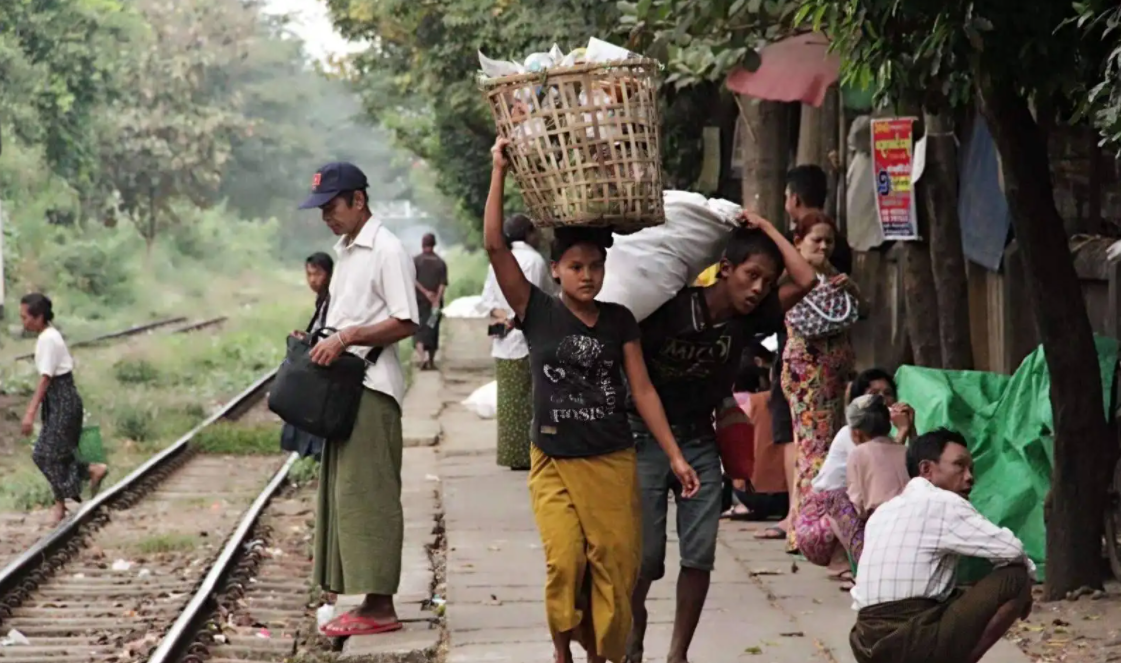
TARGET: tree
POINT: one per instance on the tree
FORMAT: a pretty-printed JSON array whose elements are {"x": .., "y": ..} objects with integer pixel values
[
  {"x": 1100, "y": 20},
  {"x": 991, "y": 52},
  {"x": 703, "y": 41},
  {"x": 170, "y": 136},
  {"x": 59, "y": 64}
]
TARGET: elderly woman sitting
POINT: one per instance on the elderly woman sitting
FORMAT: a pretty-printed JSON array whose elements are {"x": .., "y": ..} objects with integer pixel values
[{"x": 831, "y": 522}]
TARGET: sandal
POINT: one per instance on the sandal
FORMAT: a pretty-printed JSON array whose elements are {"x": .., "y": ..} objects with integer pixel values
[
  {"x": 771, "y": 534},
  {"x": 738, "y": 512},
  {"x": 349, "y": 624}
]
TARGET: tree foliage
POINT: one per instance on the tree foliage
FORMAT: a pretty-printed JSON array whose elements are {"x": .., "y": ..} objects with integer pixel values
[
  {"x": 702, "y": 40},
  {"x": 136, "y": 107},
  {"x": 418, "y": 77},
  {"x": 1101, "y": 20}
]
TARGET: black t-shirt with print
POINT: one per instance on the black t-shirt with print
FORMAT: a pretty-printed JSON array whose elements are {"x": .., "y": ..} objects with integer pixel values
[
  {"x": 692, "y": 362},
  {"x": 579, "y": 393}
]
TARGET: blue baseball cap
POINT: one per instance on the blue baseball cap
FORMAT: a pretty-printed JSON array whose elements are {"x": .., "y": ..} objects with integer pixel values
[{"x": 333, "y": 179}]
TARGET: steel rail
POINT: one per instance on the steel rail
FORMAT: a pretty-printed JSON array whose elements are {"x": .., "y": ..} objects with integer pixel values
[
  {"x": 183, "y": 632},
  {"x": 131, "y": 331},
  {"x": 21, "y": 569}
]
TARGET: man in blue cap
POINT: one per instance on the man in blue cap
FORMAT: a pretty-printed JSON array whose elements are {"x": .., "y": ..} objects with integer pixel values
[{"x": 359, "y": 527}]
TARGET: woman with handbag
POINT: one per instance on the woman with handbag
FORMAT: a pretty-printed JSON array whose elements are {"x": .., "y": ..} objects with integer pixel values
[
  {"x": 817, "y": 361},
  {"x": 582, "y": 455}
]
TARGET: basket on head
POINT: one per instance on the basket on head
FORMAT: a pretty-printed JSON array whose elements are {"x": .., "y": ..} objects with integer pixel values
[{"x": 584, "y": 142}]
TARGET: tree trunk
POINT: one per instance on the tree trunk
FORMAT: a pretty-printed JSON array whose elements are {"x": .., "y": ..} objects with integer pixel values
[
  {"x": 1084, "y": 452},
  {"x": 921, "y": 305},
  {"x": 817, "y": 137},
  {"x": 764, "y": 157},
  {"x": 938, "y": 193}
]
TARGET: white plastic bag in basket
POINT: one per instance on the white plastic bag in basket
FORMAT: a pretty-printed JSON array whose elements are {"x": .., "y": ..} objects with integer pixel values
[
  {"x": 647, "y": 268},
  {"x": 483, "y": 401}
]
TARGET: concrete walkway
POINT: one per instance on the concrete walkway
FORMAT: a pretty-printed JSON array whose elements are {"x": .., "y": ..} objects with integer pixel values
[{"x": 759, "y": 608}]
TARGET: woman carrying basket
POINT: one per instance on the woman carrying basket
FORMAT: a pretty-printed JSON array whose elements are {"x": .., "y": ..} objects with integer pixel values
[
  {"x": 583, "y": 482},
  {"x": 55, "y": 450}
]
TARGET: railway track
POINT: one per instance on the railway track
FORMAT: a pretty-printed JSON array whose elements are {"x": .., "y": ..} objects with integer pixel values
[
  {"x": 134, "y": 575},
  {"x": 180, "y": 324}
]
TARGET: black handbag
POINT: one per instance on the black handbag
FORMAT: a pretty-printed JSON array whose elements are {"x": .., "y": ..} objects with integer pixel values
[{"x": 320, "y": 400}]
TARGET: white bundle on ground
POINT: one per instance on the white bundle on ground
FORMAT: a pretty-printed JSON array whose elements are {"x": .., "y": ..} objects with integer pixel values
[
  {"x": 647, "y": 268},
  {"x": 466, "y": 307},
  {"x": 483, "y": 401}
]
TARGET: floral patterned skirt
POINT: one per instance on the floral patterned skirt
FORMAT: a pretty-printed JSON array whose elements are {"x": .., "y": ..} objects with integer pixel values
[
  {"x": 515, "y": 412},
  {"x": 814, "y": 534},
  {"x": 814, "y": 375}
]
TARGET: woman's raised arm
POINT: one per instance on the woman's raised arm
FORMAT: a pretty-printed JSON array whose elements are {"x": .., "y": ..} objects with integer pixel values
[{"x": 507, "y": 272}]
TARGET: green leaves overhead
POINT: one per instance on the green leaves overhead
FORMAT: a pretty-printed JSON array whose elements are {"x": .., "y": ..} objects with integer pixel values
[{"x": 700, "y": 40}]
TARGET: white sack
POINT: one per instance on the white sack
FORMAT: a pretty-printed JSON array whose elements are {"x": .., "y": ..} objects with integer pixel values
[
  {"x": 483, "y": 401},
  {"x": 466, "y": 307},
  {"x": 647, "y": 268}
]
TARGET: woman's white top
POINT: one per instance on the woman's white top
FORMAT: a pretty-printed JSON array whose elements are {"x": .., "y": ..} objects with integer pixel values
[
  {"x": 513, "y": 345},
  {"x": 832, "y": 475},
  {"x": 52, "y": 358}
]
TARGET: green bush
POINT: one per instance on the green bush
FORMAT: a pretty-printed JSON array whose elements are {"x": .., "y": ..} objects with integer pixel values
[
  {"x": 101, "y": 269},
  {"x": 467, "y": 271},
  {"x": 135, "y": 422},
  {"x": 236, "y": 439},
  {"x": 303, "y": 471},
  {"x": 135, "y": 371}
]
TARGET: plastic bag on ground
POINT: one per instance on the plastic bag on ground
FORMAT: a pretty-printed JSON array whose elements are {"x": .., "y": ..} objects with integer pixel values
[
  {"x": 483, "y": 401},
  {"x": 647, "y": 268},
  {"x": 465, "y": 307}
]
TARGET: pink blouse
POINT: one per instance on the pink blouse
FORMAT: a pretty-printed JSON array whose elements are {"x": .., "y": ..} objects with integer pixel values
[{"x": 876, "y": 472}]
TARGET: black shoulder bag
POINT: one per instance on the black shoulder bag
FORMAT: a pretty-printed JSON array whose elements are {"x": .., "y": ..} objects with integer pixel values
[{"x": 320, "y": 400}]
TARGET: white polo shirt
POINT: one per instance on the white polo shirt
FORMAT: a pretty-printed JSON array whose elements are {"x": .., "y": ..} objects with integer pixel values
[{"x": 374, "y": 280}]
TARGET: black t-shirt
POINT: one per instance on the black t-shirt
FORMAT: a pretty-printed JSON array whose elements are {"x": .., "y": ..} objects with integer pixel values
[
  {"x": 579, "y": 392},
  {"x": 692, "y": 362}
]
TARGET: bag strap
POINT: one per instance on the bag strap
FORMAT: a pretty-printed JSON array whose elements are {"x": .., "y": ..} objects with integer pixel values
[{"x": 371, "y": 357}]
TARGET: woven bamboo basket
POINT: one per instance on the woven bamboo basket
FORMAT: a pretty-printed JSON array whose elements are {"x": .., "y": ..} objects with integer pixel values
[{"x": 584, "y": 142}]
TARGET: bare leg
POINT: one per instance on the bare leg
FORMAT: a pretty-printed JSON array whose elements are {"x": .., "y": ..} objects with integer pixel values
[
  {"x": 1003, "y": 620},
  {"x": 58, "y": 512},
  {"x": 789, "y": 455},
  {"x": 635, "y": 649},
  {"x": 378, "y": 607},
  {"x": 97, "y": 474},
  {"x": 839, "y": 564},
  {"x": 562, "y": 647},
  {"x": 692, "y": 590}
]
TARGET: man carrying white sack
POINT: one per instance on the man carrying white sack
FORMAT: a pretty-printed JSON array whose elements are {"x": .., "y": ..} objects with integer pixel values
[{"x": 692, "y": 346}]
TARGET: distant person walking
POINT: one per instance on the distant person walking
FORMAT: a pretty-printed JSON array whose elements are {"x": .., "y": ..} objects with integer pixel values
[
  {"x": 431, "y": 282},
  {"x": 508, "y": 346},
  {"x": 55, "y": 450},
  {"x": 359, "y": 524}
]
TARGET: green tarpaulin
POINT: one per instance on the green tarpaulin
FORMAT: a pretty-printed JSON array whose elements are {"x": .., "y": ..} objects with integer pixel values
[{"x": 1008, "y": 422}]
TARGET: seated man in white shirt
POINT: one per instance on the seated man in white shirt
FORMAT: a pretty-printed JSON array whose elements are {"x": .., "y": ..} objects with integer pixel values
[{"x": 909, "y": 607}]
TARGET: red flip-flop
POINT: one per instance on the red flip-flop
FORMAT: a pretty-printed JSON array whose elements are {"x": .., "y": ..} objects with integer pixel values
[{"x": 349, "y": 624}]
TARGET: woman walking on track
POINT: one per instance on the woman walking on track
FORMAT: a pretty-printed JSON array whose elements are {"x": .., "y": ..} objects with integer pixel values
[
  {"x": 583, "y": 479},
  {"x": 508, "y": 347},
  {"x": 815, "y": 370},
  {"x": 55, "y": 450}
]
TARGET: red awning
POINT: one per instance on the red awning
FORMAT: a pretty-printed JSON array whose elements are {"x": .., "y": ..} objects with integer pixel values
[{"x": 798, "y": 68}]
